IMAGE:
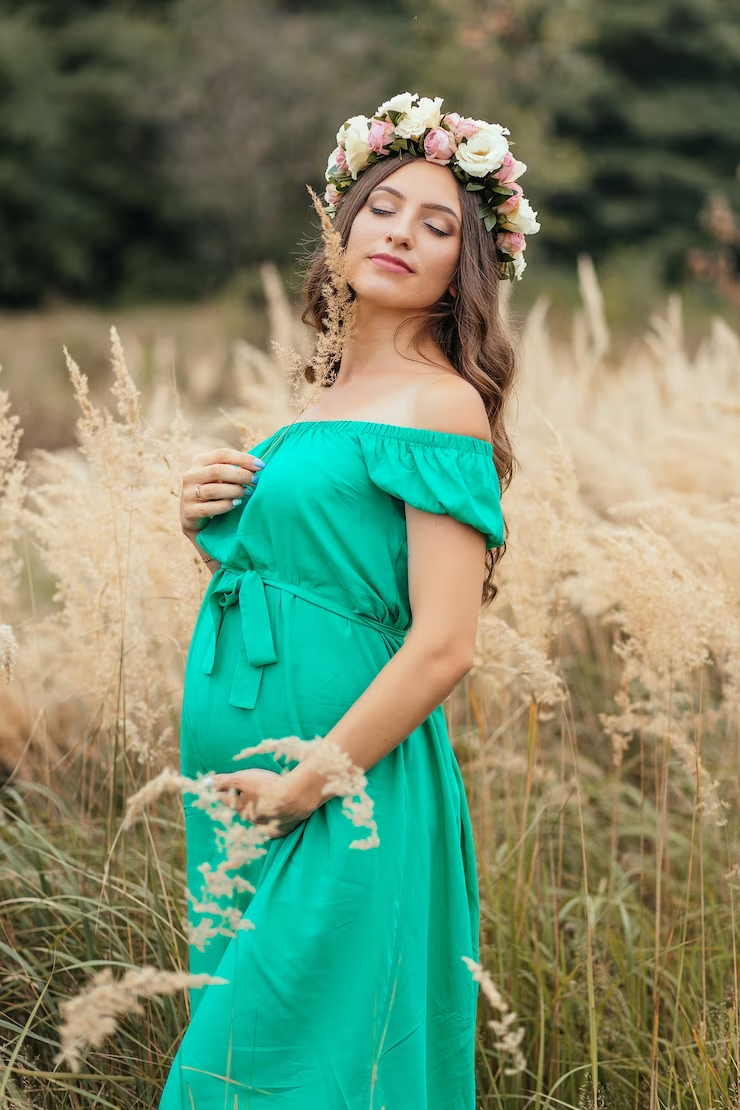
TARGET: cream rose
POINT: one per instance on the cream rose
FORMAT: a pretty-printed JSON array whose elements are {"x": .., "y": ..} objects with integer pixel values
[
  {"x": 522, "y": 219},
  {"x": 519, "y": 265},
  {"x": 353, "y": 136},
  {"x": 420, "y": 117},
  {"x": 483, "y": 152},
  {"x": 400, "y": 103}
]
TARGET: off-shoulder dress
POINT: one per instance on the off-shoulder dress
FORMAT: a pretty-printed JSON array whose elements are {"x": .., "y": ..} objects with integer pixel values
[{"x": 350, "y": 991}]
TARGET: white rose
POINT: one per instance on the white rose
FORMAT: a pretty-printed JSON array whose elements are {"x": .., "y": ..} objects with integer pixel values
[
  {"x": 400, "y": 103},
  {"x": 519, "y": 265},
  {"x": 353, "y": 136},
  {"x": 483, "y": 152},
  {"x": 522, "y": 219},
  {"x": 420, "y": 117}
]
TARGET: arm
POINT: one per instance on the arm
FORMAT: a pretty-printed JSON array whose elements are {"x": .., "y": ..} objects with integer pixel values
[{"x": 446, "y": 569}]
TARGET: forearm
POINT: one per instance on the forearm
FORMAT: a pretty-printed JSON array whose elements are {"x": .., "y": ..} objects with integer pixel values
[{"x": 409, "y": 687}]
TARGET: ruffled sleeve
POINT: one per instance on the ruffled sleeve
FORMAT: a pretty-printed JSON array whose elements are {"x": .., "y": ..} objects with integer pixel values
[
  {"x": 217, "y": 536},
  {"x": 439, "y": 472}
]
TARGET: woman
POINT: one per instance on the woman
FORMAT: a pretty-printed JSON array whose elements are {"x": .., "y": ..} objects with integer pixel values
[{"x": 347, "y": 574}]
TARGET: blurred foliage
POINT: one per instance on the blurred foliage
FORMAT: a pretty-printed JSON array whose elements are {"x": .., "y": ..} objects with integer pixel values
[{"x": 157, "y": 149}]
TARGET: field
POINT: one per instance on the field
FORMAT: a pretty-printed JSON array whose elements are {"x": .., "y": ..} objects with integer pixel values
[{"x": 597, "y": 733}]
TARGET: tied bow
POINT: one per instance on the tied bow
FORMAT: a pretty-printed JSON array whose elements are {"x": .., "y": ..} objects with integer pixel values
[{"x": 247, "y": 590}]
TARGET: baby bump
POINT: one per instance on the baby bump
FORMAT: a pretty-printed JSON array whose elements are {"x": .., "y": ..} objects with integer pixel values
[{"x": 320, "y": 663}]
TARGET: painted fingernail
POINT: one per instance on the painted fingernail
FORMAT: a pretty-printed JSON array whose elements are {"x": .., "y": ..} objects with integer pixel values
[
  {"x": 237, "y": 501},
  {"x": 255, "y": 479},
  {"x": 259, "y": 462}
]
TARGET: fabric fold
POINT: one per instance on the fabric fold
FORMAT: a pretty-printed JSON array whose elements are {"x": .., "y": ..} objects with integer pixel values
[{"x": 454, "y": 477}]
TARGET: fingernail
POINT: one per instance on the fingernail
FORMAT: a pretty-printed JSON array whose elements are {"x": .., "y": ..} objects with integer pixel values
[
  {"x": 237, "y": 501},
  {"x": 259, "y": 462},
  {"x": 255, "y": 479}
]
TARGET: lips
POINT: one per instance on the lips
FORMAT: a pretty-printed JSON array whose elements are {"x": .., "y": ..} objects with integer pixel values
[{"x": 390, "y": 263}]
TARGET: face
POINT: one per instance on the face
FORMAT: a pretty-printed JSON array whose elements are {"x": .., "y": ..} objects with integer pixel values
[{"x": 404, "y": 243}]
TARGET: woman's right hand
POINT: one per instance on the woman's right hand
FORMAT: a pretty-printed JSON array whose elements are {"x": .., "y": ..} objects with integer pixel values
[{"x": 221, "y": 477}]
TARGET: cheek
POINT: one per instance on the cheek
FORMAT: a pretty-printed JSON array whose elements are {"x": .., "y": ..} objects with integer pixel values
[
  {"x": 356, "y": 246},
  {"x": 442, "y": 260}
]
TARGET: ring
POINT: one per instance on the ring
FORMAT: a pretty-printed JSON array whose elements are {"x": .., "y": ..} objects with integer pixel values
[
  {"x": 197, "y": 493},
  {"x": 208, "y": 782}
]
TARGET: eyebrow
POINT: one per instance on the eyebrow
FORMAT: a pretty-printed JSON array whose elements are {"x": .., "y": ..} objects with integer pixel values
[{"x": 436, "y": 207}]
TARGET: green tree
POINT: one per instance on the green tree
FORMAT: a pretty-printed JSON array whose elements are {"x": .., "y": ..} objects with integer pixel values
[
  {"x": 662, "y": 127},
  {"x": 85, "y": 208}
]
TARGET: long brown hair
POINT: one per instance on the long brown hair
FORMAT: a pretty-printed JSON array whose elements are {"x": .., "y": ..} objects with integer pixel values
[{"x": 467, "y": 328}]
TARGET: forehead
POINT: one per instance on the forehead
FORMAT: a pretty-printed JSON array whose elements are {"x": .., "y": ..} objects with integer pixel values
[{"x": 425, "y": 183}]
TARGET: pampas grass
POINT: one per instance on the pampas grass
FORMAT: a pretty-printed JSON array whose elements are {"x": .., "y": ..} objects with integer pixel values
[
  {"x": 597, "y": 733},
  {"x": 8, "y": 651},
  {"x": 93, "y": 1014}
]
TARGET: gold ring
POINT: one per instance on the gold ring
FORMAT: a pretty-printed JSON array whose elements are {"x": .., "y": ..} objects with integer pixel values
[{"x": 197, "y": 493}]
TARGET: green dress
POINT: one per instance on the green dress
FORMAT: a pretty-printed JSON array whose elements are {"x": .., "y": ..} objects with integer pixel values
[{"x": 350, "y": 992}]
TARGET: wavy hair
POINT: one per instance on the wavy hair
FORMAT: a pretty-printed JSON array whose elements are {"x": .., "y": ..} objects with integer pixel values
[{"x": 467, "y": 328}]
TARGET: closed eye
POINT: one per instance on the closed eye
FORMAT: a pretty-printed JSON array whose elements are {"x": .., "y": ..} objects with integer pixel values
[{"x": 390, "y": 212}]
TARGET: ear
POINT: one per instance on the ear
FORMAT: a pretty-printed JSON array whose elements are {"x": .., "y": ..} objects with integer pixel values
[{"x": 452, "y": 290}]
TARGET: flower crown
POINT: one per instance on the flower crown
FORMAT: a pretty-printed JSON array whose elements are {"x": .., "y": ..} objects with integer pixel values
[{"x": 477, "y": 153}]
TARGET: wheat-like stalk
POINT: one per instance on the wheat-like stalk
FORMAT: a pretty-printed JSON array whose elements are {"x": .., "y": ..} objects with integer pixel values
[
  {"x": 8, "y": 651},
  {"x": 508, "y": 1039},
  {"x": 92, "y": 1016},
  {"x": 339, "y": 322},
  {"x": 342, "y": 777}
]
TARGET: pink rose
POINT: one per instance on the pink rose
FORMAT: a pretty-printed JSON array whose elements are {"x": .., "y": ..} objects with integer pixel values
[
  {"x": 381, "y": 131},
  {"x": 439, "y": 146},
  {"x": 511, "y": 242},
  {"x": 332, "y": 194},
  {"x": 462, "y": 127},
  {"x": 340, "y": 158},
  {"x": 510, "y": 169},
  {"x": 511, "y": 203}
]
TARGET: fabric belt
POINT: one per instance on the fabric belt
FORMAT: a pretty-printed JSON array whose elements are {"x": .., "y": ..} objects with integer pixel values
[{"x": 246, "y": 588}]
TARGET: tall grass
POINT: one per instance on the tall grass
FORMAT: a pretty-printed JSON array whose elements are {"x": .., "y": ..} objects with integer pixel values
[{"x": 597, "y": 732}]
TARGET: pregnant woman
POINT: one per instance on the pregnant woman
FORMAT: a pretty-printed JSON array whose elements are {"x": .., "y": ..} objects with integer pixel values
[{"x": 350, "y": 553}]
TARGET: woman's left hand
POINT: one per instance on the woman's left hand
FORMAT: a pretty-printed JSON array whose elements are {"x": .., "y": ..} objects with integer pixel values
[{"x": 264, "y": 796}]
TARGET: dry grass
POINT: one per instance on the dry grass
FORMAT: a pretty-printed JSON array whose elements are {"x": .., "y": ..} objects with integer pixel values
[{"x": 598, "y": 732}]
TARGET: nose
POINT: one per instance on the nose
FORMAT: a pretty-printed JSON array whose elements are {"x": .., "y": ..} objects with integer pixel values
[{"x": 401, "y": 234}]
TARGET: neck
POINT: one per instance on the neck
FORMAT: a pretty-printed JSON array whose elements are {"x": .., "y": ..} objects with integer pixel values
[{"x": 377, "y": 342}]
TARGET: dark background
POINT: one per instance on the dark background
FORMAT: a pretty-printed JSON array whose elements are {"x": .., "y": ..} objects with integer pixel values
[{"x": 159, "y": 151}]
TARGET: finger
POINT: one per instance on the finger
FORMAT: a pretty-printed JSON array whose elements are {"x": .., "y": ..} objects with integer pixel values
[
  {"x": 244, "y": 475},
  {"x": 227, "y": 455},
  {"x": 201, "y": 512},
  {"x": 214, "y": 491}
]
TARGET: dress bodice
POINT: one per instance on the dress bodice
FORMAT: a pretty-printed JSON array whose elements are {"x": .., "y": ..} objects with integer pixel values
[{"x": 328, "y": 512}]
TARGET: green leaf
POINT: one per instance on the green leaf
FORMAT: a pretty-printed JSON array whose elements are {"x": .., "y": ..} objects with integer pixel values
[
  {"x": 473, "y": 187},
  {"x": 490, "y": 222}
]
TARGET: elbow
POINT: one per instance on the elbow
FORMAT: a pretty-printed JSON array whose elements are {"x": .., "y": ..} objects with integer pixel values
[{"x": 463, "y": 663}]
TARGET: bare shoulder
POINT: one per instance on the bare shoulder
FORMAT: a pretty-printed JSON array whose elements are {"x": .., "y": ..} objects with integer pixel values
[{"x": 450, "y": 404}]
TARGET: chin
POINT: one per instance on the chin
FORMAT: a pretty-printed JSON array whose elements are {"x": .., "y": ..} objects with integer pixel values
[{"x": 388, "y": 294}]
